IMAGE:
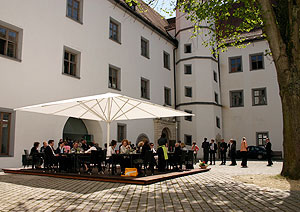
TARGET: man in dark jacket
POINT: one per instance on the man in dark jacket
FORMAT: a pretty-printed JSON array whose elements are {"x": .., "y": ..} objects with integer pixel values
[
  {"x": 212, "y": 151},
  {"x": 50, "y": 156},
  {"x": 232, "y": 152},
  {"x": 223, "y": 150},
  {"x": 269, "y": 152},
  {"x": 162, "y": 152},
  {"x": 205, "y": 147}
]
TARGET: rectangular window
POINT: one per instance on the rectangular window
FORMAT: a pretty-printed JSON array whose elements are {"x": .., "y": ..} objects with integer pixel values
[
  {"x": 216, "y": 98},
  {"x": 259, "y": 96},
  {"x": 145, "y": 93},
  {"x": 188, "y": 118},
  {"x": 74, "y": 8},
  {"x": 188, "y": 91},
  {"x": 235, "y": 64},
  {"x": 256, "y": 61},
  {"x": 8, "y": 42},
  {"x": 166, "y": 60},
  {"x": 115, "y": 30},
  {"x": 187, "y": 139},
  {"x": 261, "y": 138},
  {"x": 167, "y": 92},
  {"x": 114, "y": 78},
  {"x": 187, "y": 69},
  {"x": 218, "y": 124},
  {"x": 5, "y": 122},
  {"x": 145, "y": 47},
  {"x": 71, "y": 62},
  {"x": 121, "y": 132},
  {"x": 188, "y": 48},
  {"x": 237, "y": 98},
  {"x": 215, "y": 76}
]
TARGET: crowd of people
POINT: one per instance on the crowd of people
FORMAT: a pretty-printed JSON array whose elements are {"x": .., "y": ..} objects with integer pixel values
[{"x": 211, "y": 148}]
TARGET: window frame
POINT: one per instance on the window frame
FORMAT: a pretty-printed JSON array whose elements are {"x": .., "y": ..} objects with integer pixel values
[
  {"x": 169, "y": 103},
  {"x": 216, "y": 98},
  {"x": 118, "y": 24},
  {"x": 77, "y": 63},
  {"x": 230, "y": 96},
  {"x": 263, "y": 61},
  {"x": 185, "y": 139},
  {"x": 218, "y": 122},
  {"x": 234, "y": 58},
  {"x": 253, "y": 96},
  {"x": 147, "y": 87},
  {"x": 185, "y": 48},
  {"x": 188, "y": 118},
  {"x": 167, "y": 64},
  {"x": 125, "y": 131},
  {"x": 18, "y": 41},
  {"x": 79, "y": 11},
  {"x": 264, "y": 139},
  {"x": 215, "y": 75},
  {"x": 118, "y": 77},
  {"x": 147, "y": 47},
  {"x": 185, "y": 69},
  {"x": 186, "y": 88}
]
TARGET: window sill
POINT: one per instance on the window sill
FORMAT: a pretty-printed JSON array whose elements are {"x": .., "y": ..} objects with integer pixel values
[
  {"x": 259, "y": 104},
  {"x": 77, "y": 21},
  {"x": 145, "y": 98},
  {"x": 146, "y": 56},
  {"x": 236, "y": 106},
  {"x": 117, "y": 89},
  {"x": 168, "y": 68},
  {"x": 6, "y": 156},
  {"x": 233, "y": 72},
  {"x": 69, "y": 75},
  {"x": 115, "y": 41},
  {"x": 260, "y": 69},
  {"x": 11, "y": 58}
]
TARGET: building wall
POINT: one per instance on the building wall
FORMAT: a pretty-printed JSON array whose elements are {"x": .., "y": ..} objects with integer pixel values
[
  {"x": 37, "y": 77},
  {"x": 247, "y": 120},
  {"x": 202, "y": 103}
]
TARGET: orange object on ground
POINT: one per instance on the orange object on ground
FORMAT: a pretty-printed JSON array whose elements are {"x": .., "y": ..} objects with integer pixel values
[{"x": 130, "y": 172}]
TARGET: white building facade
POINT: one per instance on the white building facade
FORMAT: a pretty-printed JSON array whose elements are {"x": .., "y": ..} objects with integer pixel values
[{"x": 62, "y": 49}]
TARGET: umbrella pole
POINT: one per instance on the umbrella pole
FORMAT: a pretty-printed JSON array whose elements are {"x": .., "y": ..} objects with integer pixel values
[{"x": 108, "y": 134}]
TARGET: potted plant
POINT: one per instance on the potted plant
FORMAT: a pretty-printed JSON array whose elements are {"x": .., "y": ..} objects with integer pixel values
[{"x": 202, "y": 164}]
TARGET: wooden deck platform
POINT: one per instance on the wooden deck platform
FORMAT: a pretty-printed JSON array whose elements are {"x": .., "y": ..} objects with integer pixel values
[{"x": 109, "y": 178}]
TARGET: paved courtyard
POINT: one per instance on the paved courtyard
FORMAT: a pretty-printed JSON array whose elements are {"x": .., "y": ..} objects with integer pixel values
[{"x": 215, "y": 190}]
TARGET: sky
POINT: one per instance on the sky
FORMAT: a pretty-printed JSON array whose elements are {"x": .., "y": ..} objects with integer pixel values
[{"x": 164, "y": 7}]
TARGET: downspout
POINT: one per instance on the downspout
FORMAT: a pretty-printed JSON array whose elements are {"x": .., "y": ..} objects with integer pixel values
[{"x": 175, "y": 93}]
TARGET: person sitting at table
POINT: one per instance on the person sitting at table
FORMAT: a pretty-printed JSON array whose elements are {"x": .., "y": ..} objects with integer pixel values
[
  {"x": 50, "y": 155},
  {"x": 36, "y": 160},
  {"x": 67, "y": 147},
  {"x": 84, "y": 145},
  {"x": 183, "y": 147},
  {"x": 45, "y": 144},
  {"x": 124, "y": 149},
  {"x": 91, "y": 148},
  {"x": 60, "y": 149},
  {"x": 76, "y": 148},
  {"x": 152, "y": 148},
  {"x": 109, "y": 155},
  {"x": 145, "y": 149},
  {"x": 140, "y": 146}
]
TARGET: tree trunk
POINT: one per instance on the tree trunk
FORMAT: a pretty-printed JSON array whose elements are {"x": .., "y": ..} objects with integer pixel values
[{"x": 288, "y": 73}]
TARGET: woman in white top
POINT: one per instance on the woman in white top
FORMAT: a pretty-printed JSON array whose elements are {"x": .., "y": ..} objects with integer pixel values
[
  {"x": 111, "y": 151},
  {"x": 125, "y": 148}
]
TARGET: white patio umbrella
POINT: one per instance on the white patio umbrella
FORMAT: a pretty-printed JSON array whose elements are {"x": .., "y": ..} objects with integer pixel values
[{"x": 107, "y": 107}]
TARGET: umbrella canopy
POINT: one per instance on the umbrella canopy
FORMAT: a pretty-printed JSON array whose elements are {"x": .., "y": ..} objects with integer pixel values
[{"x": 105, "y": 107}]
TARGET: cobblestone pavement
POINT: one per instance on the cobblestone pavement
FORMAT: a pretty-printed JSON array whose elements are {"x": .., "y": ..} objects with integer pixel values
[{"x": 215, "y": 190}]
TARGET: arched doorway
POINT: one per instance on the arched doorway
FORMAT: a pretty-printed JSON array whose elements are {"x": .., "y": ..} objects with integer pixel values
[
  {"x": 167, "y": 132},
  {"x": 142, "y": 137},
  {"x": 171, "y": 143},
  {"x": 75, "y": 129}
]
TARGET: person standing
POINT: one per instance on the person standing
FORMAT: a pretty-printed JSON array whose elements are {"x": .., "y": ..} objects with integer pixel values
[
  {"x": 205, "y": 147},
  {"x": 212, "y": 151},
  {"x": 162, "y": 152},
  {"x": 223, "y": 150},
  {"x": 269, "y": 152},
  {"x": 195, "y": 148},
  {"x": 244, "y": 151},
  {"x": 232, "y": 152}
]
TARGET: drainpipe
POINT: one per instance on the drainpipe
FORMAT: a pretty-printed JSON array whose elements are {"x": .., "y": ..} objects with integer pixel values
[{"x": 177, "y": 136}]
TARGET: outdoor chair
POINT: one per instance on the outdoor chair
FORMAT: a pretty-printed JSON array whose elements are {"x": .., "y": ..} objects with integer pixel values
[
  {"x": 96, "y": 159},
  {"x": 26, "y": 159},
  {"x": 182, "y": 158},
  {"x": 190, "y": 159},
  {"x": 148, "y": 160}
]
